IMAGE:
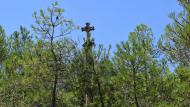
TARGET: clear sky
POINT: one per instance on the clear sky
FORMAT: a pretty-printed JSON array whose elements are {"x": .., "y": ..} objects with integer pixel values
[{"x": 113, "y": 19}]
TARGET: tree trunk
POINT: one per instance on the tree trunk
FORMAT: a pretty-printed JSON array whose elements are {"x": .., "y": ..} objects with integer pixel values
[
  {"x": 101, "y": 95},
  {"x": 54, "y": 91},
  {"x": 134, "y": 87},
  {"x": 55, "y": 76}
]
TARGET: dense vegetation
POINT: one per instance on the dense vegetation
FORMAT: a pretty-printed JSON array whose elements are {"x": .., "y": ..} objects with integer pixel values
[{"x": 48, "y": 69}]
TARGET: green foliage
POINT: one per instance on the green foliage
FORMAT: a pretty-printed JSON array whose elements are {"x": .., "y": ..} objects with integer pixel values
[
  {"x": 138, "y": 68},
  {"x": 49, "y": 69},
  {"x": 175, "y": 42},
  {"x": 3, "y": 45}
]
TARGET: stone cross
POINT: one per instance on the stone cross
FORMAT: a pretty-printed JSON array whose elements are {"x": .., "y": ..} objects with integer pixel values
[
  {"x": 87, "y": 29},
  {"x": 88, "y": 44}
]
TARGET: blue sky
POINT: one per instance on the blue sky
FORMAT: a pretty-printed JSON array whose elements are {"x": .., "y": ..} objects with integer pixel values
[{"x": 113, "y": 19}]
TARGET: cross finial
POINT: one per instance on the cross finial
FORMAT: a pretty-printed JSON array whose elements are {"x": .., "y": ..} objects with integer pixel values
[
  {"x": 87, "y": 28},
  {"x": 88, "y": 42}
]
